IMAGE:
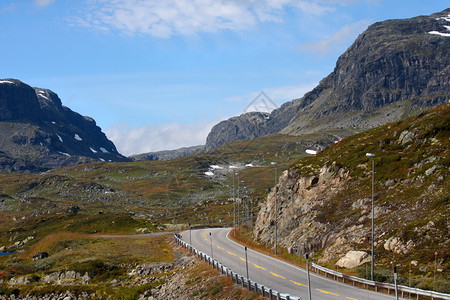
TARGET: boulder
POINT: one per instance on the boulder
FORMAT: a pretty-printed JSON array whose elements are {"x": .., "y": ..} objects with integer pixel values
[
  {"x": 396, "y": 245},
  {"x": 353, "y": 259},
  {"x": 40, "y": 255}
]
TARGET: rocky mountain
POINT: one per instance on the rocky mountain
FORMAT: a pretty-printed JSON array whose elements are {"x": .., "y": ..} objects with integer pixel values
[
  {"x": 393, "y": 70},
  {"x": 38, "y": 133},
  {"x": 169, "y": 154},
  {"x": 251, "y": 125},
  {"x": 324, "y": 201}
]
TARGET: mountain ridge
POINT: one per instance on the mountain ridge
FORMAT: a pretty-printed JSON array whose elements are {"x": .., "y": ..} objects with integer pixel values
[
  {"x": 39, "y": 133},
  {"x": 393, "y": 70},
  {"x": 324, "y": 201}
]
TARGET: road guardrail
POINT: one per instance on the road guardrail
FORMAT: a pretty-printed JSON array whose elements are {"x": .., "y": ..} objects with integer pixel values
[
  {"x": 272, "y": 294},
  {"x": 378, "y": 285},
  {"x": 239, "y": 279}
]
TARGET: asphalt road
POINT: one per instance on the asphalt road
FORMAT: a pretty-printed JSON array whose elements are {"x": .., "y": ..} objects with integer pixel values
[{"x": 270, "y": 272}]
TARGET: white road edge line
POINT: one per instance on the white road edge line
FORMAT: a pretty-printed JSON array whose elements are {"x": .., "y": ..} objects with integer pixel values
[{"x": 303, "y": 270}]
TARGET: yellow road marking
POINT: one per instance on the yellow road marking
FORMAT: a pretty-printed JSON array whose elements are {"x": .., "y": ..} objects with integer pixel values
[
  {"x": 350, "y": 298},
  {"x": 276, "y": 275},
  {"x": 231, "y": 253},
  {"x": 243, "y": 259},
  {"x": 297, "y": 283},
  {"x": 325, "y": 292},
  {"x": 220, "y": 248},
  {"x": 259, "y": 267}
]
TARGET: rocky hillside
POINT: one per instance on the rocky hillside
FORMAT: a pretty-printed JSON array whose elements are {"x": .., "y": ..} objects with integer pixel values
[
  {"x": 37, "y": 132},
  {"x": 251, "y": 125},
  {"x": 393, "y": 70},
  {"x": 324, "y": 201},
  {"x": 169, "y": 154}
]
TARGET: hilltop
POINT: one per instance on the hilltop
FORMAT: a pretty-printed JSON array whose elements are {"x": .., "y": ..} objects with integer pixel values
[
  {"x": 324, "y": 201},
  {"x": 393, "y": 70},
  {"x": 38, "y": 133}
]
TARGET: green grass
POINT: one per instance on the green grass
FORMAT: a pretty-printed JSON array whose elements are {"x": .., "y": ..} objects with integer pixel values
[
  {"x": 414, "y": 198},
  {"x": 120, "y": 197}
]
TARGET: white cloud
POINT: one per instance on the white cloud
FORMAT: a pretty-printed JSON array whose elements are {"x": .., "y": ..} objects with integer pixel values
[
  {"x": 43, "y": 2},
  {"x": 168, "y": 136},
  {"x": 342, "y": 37},
  {"x": 186, "y": 17},
  {"x": 157, "y": 137}
]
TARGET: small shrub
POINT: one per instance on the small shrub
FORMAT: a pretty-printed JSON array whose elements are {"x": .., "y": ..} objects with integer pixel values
[
  {"x": 44, "y": 264},
  {"x": 95, "y": 268},
  {"x": 217, "y": 289},
  {"x": 6, "y": 291},
  {"x": 442, "y": 286}
]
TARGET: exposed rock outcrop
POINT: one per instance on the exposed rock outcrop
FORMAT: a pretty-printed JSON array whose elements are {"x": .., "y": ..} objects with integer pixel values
[
  {"x": 353, "y": 259},
  {"x": 299, "y": 228},
  {"x": 169, "y": 154},
  {"x": 38, "y": 133},
  {"x": 324, "y": 201},
  {"x": 393, "y": 70}
]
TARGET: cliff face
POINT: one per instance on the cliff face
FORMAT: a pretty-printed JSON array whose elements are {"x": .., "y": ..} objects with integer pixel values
[
  {"x": 297, "y": 199},
  {"x": 38, "y": 132},
  {"x": 393, "y": 70},
  {"x": 169, "y": 154},
  {"x": 324, "y": 201},
  {"x": 252, "y": 125}
]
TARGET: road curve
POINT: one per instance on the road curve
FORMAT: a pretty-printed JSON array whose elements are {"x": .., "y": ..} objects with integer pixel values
[{"x": 271, "y": 272}]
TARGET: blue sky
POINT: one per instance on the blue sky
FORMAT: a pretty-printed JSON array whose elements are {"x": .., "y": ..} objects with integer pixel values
[{"x": 159, "y": 74}]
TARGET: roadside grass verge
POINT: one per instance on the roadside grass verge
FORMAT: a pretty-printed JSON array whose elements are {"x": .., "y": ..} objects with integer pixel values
[{"x": 100, "y": 257}]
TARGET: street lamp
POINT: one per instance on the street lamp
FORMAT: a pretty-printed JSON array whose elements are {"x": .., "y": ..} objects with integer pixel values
[
  {"x": 372, "y": 156},
  {"x": 234, "y": 204},
  {"x": 190, "y": 234},
  {"x": 210, "y": 241},
  {"x": 238, "y": 199},
  {"x": 276, "y": 207}
]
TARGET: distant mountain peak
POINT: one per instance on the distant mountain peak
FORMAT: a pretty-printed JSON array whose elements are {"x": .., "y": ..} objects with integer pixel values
[
  {"x": 38, "y": 132},
  {"x": 394, "y": 69}
]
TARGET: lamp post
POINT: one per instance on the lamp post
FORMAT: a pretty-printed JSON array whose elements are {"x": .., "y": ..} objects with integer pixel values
[
  {"x": 435, "y": 268},
  {"x": 372, "y": 156},
  {"x": 246, "y": 265},
  {"x": 234, "y": 205},
  {"x": 395, "y": 282},
  {"x": 239, "y": 200},
  {"x": 251, "y": 213},
  {"x": 276, "y": 205},
  {"x": 210, "y": 241},
  {"x": 309, "y": 280},
  {"x": 190, "y": 234}
]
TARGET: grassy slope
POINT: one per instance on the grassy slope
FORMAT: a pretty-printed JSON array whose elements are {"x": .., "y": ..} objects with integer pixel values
[
  {"x": 120, "y": 197},
  {"x": 148, "y": 194},
  {"x": 411, "y": 184},
  {"x": 411, "y": 180}
]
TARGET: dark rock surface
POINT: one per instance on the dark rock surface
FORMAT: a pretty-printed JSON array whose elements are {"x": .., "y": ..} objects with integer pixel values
[
  {"x": 393, "y": 70},
  {"x": 169, "y": 154},
  {"x": 38, "y": 133}
]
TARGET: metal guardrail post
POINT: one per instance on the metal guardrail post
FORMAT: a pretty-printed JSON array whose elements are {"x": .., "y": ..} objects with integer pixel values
[
  {"x": 229, "y": 272},
  {"x": 376, "y": 285},
  {"x": 395, "y": 281}
]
